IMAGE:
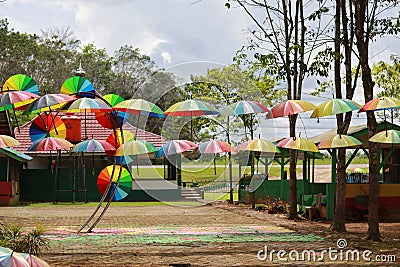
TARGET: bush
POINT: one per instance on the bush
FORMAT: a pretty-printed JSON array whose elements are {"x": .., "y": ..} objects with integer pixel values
[{"x": 32, "y": 242}]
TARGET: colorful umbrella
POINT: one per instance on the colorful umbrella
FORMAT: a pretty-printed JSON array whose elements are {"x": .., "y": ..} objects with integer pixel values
[
  {"x": 339, "y": 140},
  {"x": 244, "y": 107},
  {"x": 191, "y": 108},
  {"x": 128, "y": 136},
  {"x": 140, "y": 107},
  {"x": 47, "y": 125},
  {"x": 175, "y": 147},
  {"x": 8, "y": 141},
  {"x": 258, "y": 145},
  {"x": 93, "y": 145},
  {"x": 333, "y": 107},
  {"x": 86, "y": 104},
  {"x": 50, "y": 144},
  {"x": 290, "y": 107},
  {"x": 298, "y": 143},
  {"x": 387, "y": 137},
  {"x": 381, "y": 103},
  {"x": 135, "y": 147},
  {"x": 121, "y": 181},
  {"x": 20, "y": 82},
  {"x": 113, "y": 119},
  {"x": 34, "y": 261},
  {"x": 9, "y": 258},
  {"x": 79, "y": 86},
  {"x": 48, "y": 102},
  {"x": 214, "y": 146},
  {"x": 16, "y": 100}
]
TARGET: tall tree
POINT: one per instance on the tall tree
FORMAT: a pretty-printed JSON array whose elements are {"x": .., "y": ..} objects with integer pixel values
[
  {"x": 369, "y": 24},
  {"x": 285, "y": 39}
]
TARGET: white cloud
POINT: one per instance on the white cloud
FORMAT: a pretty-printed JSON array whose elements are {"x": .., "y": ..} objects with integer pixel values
[{"x": 166, "y": 57}]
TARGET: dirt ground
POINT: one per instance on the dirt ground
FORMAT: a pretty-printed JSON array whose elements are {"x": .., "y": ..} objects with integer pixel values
[{"x": 209, "y": 235}]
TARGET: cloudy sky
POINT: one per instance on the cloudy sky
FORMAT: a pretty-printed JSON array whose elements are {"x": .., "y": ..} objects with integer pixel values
[{"x": 183, "y": 36}]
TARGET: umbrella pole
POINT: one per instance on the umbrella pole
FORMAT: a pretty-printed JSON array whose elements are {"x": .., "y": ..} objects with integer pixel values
[
  {"x": 16, "y": 121},
  {"x": 85, "y": 126},
  {"x": 56, "y": 177},
  {"x": 84, "y": 178},
  {"x": 230, "y": 178},
  {"x": 215, "y": 167},
  {"x": 253, "y": 193}
]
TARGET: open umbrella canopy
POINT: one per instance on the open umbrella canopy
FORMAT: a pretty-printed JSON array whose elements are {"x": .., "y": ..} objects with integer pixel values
[
  {"x": 113, "y": 119},
  {"x": 20, "y": 82},
  {"x": 290, "y": 107},
  {"x": 47, "y": 125},
  {"x": 140, "y": 107},
  {"x": 8, "y": 141},
  {"x": 93, "y": 145},
  {"x": 298, "y": 143},
  {"x": 135, "y": 147},
  {"x": 244, "y": 107},
  {"x": 122, "y": 186},
  {"x": 381, "y": 103},
  {"x": 174, "y": 147},
  {"x": 339, "y": 140},
  {"x": 79, "y": 86},
  {"x": 9, "y": 258},
  {"x": 214, "y": 146},
  {"x": 34, "y": 261},
  {"x": 386, "y": 137},
  {"x": 86, "y": 104},
  {"x": 50, "y": 144},
  {"x": 48, "y": 102},
  {"x": 333, "y": 107},
  {"x": 258, "y": 145},
  {"x": 16, "y": 100},
  {"x": 128, "y": 136},
  {"x": 191, "y": 108}
]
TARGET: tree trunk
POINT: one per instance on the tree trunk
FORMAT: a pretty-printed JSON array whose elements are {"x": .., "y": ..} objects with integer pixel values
[
  {"x": 362, "y": 47},
  {"x": 338, "y": 224},
  {"x": 292, "y": 172}
]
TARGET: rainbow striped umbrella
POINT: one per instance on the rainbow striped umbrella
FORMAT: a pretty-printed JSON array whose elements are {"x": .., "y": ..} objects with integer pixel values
[
  {"x": 113, "y": 119},
  {"x": 93, "y": 145},
  {"x": 298, "y": 143},
  {"x": 86, "y": 104},
  {"x": 339, "y": 140},
  {"x": 121, "y": 181},
  {"x": 174, "y": 147},
  {"x": 34, "y": 261},
  {"x": 244, "y": 107},
  {"x": 20, "y": 82},
  {"x": 50, "y": 144},
  {"x": 381, "y": 103},
  {"x": 258, "y": 145},
  {"x": 191, "y": 108},
  {"x": 333, "y": 107},
  {"x": 290, "y": 107},
  {"x": 10, "y": 258},
  {"x": 140, "y": 107},
  {"x": 47, "y": 126},
  {"x": 128, "y": 136},
  {"x": 16, "y": 100},
  {"x": 48, "y": 102},
  {"x": 387, "y": 137},
  {"x": 79, "y": 86},
  {"x": 135, "y": 147}
]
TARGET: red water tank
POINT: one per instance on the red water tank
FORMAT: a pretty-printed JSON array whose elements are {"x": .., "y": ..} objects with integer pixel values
[{"x": 73, "y": 125}]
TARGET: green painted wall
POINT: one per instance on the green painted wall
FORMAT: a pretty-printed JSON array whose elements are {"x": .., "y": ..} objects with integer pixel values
[{"x": 38, "y": 186}]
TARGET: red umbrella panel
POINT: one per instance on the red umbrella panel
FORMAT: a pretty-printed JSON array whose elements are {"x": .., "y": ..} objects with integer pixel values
[
  {"x": 50, "y": 144},
  {"x": 47, "y": 125},
  {"x": 112, "y": 120},
  {"x": 290, "y": 107},
  {"x": 116, "y": 140}
]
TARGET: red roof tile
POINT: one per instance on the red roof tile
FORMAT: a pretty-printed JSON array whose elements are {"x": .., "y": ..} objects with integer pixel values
[{"x": 93, "y": 128}]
